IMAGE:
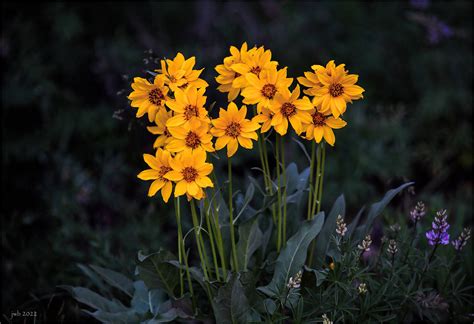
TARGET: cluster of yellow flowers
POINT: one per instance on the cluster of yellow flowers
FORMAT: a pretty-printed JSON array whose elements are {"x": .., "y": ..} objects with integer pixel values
[
  {"x": 175, "y": 103},
  {"x": 256, "y": 77}
]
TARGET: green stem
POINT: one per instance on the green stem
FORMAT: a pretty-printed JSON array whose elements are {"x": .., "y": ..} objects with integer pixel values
[
  {"x": 311, "y": 180},
  {"x": 282, "y": 147},
  {"x": 277, "y": 153},
  {"x": 269, "y": 177},
  {"x": 316, "y": 185},
  {"x": 231, "y": 219},
  {"x": 262, "y": 159},
  {"x": 211, "y": 231},
  {"x": 199, "y": 243},
  {"x": 220, "y": 242},
  {"x": 318, "y": 192},
  {"x": 321, "y": 180},
  {"x": 180, "y": 241},
  {"x": 182, "y": 252}
]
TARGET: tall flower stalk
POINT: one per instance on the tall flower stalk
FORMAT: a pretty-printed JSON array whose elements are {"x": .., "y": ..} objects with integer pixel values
[{"x": 231, "y": 219}]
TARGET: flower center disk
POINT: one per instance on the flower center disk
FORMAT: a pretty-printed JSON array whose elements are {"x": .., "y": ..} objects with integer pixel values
[
  {"x": 163, "y": 170},
  {"x": 269, "y": 91},
  {"x": 190, "y": 111},
  {"x": 189, "y": 174},
  {"x": 233, "y": 129},
  {"x": 288, "y": 109},
  {"x": 318, "y": 119},
  {"x": 336, "y": 90},
  {"x": 155, "y": 96},
  {"x": 192, "y": 140},
  {"x": 256, "y": 70}
]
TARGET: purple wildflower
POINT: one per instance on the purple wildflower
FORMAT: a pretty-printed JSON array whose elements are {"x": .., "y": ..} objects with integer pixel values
[
  {"x": 418, "y": 212},
  {"x": 439, "y": 235},
  {"x": 461, "y": 241}
]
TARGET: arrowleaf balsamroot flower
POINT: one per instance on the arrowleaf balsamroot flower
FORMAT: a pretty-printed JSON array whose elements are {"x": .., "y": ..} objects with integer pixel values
[
  {"x": 188, "y": 105},
  {"x": 322, "y": 125},
  {"x": 164, "y": 136},
  {"x": 287, "y": 107},
  {"x": 310, "y": 80},
  {"x": 191, "y": 137},
  {"x": 190, "y": 172},
  {"x": 160, "y": 165},
  {"x": 179, "y": 74},
  {"x": 338, "y": 88},
  {"x": 254, "y": 61},
  {"x": 147, "y": 97},
  {"x": 232, "y": 129},
  {"x": 261, "y": 90},
  {"x": 227, "y": 75}
]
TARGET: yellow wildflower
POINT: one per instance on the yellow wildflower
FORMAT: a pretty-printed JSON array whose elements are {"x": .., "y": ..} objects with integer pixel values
[
  {"x": 262, "y": 90},
  {"x": 160, "y": 165},
  {"x": 179, "y": 74},
  {"x": 232, "y": 129},
  {"x": 190, "y": 172},
  {"x": 164, "y": 136},
  {"x": 148, "y": 98},
  {"x": 338, "y": 88},
  {"x": 188, "y": 105},
  {"x": 191, "y": 137},
  {"x": 254, "y": 61},
  {"x": 264, "y": 118},
  {"x": 227, "y": 75},
  {"x": 288, "y": 107},
  {"x": 322, "y": 125},
  {"x": 310, "y": 80}
]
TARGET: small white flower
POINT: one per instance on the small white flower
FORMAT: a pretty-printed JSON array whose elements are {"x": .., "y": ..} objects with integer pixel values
[
  {"x": 326, "y": 319},
  {"x": 341, "y": 227},
  {"x": 365, "y": 246},
  {"x": 296, "y": 282},
  {"x": 362, "y": 288}
]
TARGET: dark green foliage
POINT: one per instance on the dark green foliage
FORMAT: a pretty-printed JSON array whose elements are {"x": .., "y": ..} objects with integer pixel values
[{"x": 382, "y": 287}]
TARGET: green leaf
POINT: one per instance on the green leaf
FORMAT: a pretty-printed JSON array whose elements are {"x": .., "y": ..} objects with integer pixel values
[
  {"x": 115, "y": 279},
  {"x": 292, "y": 178},
  {"x": 250, "y": 239},
  {"x": 195, "y": 273},
  {"x": 93, "y": 277},
  {"x": 320, "y": 275},
  {"x": 128, "y": 316},
  {"x": 248, "y": 198},
  {"x": 231, "y": 304},
  {"x": 156, "y": 272},
  {"x": 352, "y": 226},
  {"x": 293, "y": 256},
  {"x": 329, "y": 228},
  {"x": 375, "y": 210},
  {"x": 94, "y": 300},
  {"x": 139, "y": 301}
]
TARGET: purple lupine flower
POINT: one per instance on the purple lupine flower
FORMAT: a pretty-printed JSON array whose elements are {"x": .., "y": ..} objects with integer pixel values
[
  {"x": 418, "y": 212},
  {"x": 439, "y": 235},
  {"x": 461, "y": 241}
]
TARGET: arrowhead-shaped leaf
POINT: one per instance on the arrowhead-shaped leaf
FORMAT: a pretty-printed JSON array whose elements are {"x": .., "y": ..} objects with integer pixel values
[
  {"x": 250, "y": 239},
  {"x": 156, "y": 272},
  {"x": 292, "y": 257},
  {"x": 115, "y": 279}
]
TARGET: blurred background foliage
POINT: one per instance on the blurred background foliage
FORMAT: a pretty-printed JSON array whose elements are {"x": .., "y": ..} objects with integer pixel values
[{"x": 71, "y": 146}]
